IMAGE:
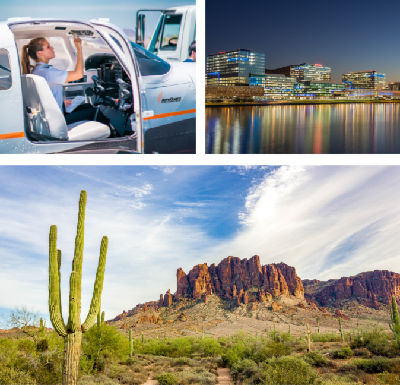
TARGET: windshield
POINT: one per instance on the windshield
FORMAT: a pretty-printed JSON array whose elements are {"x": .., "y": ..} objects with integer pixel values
[
  {"x": 170, "y": 32},
  {"x": 149, "y": 64}
]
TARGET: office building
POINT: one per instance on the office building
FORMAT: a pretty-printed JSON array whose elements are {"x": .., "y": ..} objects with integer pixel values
[
  {"x": 369, "y": 80},
  {"x": 276, "y": 86},
  {"x": 394, "y": 86},
  {"x": 233, "y": 68},
  {"x": 311, "y": 72},
  {"x": 324, "y": 90},
  {"x": 304, "y": 72}
]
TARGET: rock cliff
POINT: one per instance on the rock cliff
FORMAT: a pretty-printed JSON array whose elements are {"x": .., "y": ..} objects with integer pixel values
[
  {"x": 371, "y": 289},
  {"x": 235, "y": 277}
]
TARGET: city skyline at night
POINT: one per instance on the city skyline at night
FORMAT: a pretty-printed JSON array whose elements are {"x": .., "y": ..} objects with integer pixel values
[{"x": 346, "y": 36}]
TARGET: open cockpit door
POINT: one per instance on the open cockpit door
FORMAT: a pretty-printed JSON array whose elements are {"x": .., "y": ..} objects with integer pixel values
[
  {"x": 122, "y": 50},
  {"x": 11, "y": 107}
]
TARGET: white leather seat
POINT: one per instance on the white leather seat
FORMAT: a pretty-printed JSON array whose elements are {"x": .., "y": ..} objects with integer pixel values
[{"x": 46, "y": 117}]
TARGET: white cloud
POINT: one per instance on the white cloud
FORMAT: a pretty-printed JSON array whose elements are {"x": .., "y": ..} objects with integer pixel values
[{"x": 300, "y": 215}]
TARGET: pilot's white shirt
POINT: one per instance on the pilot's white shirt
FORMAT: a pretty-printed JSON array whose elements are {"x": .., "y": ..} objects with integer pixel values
[{"x": 55, "y": 78}]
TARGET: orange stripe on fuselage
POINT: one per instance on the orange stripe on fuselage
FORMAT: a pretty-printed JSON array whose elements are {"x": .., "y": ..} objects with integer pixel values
[
  {"x": 168, "y": 114},
  {"x": 12, "y": 135}
]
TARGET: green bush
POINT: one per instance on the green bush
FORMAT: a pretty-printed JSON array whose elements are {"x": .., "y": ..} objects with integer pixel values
[
  {"x": 289, "y": 370},
  {"x": 11, "y": 376},
  {"x": 247, "y": 371},
  {"x": 100, "y": 345},
  {"x": 343, "y": 353},
  {"x": 378, "y": 365},
  {"x": 325, "y": 337},
  {"x": 316, "y": 359},
  {"x": 377, "y": 341},
  {"x": 22, "y": 362},
  {"x": 389, "y": 379},
  {"x": 167, "y": 379}
]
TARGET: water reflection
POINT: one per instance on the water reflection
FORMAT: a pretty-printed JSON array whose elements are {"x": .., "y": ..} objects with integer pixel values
[{"x": 317, "y": 129}]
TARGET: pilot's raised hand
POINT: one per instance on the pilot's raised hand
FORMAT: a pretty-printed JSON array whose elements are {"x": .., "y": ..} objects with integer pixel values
[{"x": 77, "y": 42}]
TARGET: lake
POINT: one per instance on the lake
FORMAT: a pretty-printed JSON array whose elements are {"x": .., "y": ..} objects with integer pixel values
[{"x": 356, "y": 128}]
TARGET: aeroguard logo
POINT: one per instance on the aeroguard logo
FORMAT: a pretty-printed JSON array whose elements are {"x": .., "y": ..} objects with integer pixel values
[{"x": 168, "y": 100}]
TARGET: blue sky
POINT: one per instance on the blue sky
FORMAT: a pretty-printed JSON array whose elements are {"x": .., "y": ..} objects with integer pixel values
[
  {"x": 326, "y": 221},
  {"x": 355, "y": 35},
  {"x": 120, "y": 12}
]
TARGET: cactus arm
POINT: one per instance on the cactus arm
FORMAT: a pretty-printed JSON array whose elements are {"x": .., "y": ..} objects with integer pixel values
[
  {"x": 98, "y": 288},
  {"x": 75, "y": 282},
  {"x": 54, "y": 284}
]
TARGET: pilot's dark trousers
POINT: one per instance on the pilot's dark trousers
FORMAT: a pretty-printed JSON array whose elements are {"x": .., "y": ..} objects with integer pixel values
[{"x": 85, "y": 112}]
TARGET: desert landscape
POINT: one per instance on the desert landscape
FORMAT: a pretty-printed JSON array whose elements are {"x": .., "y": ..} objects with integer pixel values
[{"x": 237, "y": 322}]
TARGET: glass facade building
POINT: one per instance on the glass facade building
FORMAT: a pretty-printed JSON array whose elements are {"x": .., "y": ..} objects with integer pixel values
[
  {"x": 234, "y": 68},
  {"x": 324, "y": 90},
  {"x": 311, "y": 72},
  {"x": 369, "y": 80},
  {"x": 275, "y": 86}
]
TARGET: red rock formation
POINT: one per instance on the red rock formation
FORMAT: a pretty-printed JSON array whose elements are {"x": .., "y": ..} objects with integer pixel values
[
  {"x": 233, "y": 276},
  {"x": 370, "y": 289},
  {"x": 167, "y": 299}
]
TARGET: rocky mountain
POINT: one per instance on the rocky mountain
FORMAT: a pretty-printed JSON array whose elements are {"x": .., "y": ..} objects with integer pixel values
[
  {"x": 246, "y": 281},
  {"x": 242, "y": 280},
  {"x": 372, "y": 289},
  {"x": 235, "y": 278}
]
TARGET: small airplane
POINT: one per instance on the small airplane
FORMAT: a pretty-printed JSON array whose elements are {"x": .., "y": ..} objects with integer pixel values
[{"x": 150, "y": 103}]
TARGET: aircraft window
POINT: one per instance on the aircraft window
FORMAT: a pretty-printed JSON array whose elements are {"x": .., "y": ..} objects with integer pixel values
[
  {"x": 5, "y": 70},
  {"x": 149, "y": 64},
  {"x": 170, "y": 33}
]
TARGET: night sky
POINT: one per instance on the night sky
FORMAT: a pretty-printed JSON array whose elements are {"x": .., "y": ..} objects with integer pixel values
[{"x": 352, "y": 35}]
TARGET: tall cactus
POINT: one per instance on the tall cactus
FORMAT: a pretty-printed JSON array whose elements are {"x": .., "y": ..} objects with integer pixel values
[
  {"x": 395, "y": 320},
  {"x": 72, "y": 331},
  {"x": 130, "y": 343},
  {"x": 341, "y": 329}
]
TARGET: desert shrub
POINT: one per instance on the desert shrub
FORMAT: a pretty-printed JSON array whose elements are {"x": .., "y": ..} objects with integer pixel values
[
  {"x": 42, "y": 345},
  {"x": 343, "y": 353},
  {"x": 235, "y": 353},
  {"x": 22, "y": 361},
  {"x": 100, "y": 379},
  {"x": 388, "y": 379},
  {"x": 378, "y": 365},
  {"x": 377, "y": 341},
  {"x": 331, "y": 379},
  {"x": 325, "y": 337},
  {"x": 11, "y": 376},
  {"x": 179, "y": 347},
  {"x": 247, "y": 371},
  {"x": 206, "y": 346},
  {"x": 316, "y": 359},
  {"x": 271, "y": 349},
  {"x": 100, "y": 345},
  {"x": 181, "y": 361},
  {"x": 197, "y": 376},
  {"x": 289, "y": 370},
  {"x": 280, "y": 336},
  {"x": 167, "y": 379}
]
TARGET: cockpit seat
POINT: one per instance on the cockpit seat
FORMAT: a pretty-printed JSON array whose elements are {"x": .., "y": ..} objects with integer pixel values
[{"x": 46, "y": 120}]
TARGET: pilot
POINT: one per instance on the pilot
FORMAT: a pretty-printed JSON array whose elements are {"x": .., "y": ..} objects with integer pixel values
[
  {"x": 40, "y": 50},
  {"x": 192, "y": 52}
]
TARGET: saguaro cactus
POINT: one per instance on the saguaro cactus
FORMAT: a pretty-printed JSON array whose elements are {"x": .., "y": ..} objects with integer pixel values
[
  {"x": 130, "y": 343},
  {"x": 341, "y": 329},
  {"x": 308, "y": 337},
  {"x": 395, "y": 320},
  {"x": 100, "y": 319},
  {"x": 72, "y": 331}
]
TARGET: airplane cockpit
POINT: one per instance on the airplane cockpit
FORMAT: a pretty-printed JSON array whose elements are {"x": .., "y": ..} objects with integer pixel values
[{"x": 105, "y": 85}]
